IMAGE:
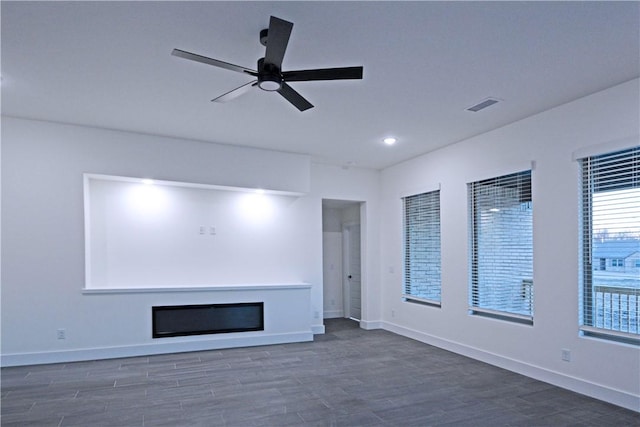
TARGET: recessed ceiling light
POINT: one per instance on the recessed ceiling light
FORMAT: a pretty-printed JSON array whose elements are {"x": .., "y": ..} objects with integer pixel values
[{"x": 389, "y": 140}]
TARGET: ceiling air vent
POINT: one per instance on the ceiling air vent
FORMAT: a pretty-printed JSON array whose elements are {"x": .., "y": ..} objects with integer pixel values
[{"x": 483, "y": 104}]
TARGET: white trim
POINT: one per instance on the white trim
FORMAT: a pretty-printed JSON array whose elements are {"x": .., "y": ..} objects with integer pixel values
[
  {"x": 371, "y": 324},
  {"x": 101, "y": 177},
  {"x": 247, "y": 287},
  {"x": 20, "y": 359},
  {"x": 602, "y": 333},
  {"x": 597, "y": 391},
  {"x": 426, "y": 301},
  {"x": 501, "y": 314},
  {"x": 317, "y": 329},
  {"x": 502, "y": 171},
  {"x": 606, "y": 147},
  {"x": 87, "y": 229}
]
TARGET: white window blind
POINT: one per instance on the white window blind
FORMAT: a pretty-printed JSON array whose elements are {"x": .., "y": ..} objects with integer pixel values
[
  {"x": 501, "y": 247},
  {"x": 610, "y": 245},
  {"x": 422, "y": 277}
]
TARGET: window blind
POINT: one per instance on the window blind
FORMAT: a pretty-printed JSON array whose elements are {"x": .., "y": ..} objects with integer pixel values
[
  {"x": 610, "y": 245},
  {"x": 422, "y": 275},
  {"x": 501, "y": 247}
]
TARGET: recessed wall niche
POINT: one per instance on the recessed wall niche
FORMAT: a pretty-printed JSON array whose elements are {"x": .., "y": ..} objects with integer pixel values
[{"x": 147, "y": 234}]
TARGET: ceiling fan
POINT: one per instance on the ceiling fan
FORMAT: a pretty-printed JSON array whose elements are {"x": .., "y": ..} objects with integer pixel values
[{"x": 269, "y": 75}]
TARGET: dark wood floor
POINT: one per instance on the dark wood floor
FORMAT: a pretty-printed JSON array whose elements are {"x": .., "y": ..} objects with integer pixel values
[{"x": 347, "y": 377}]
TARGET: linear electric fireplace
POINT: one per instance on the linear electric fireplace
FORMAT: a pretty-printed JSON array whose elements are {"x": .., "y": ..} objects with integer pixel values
[{"x": 182, "y": 320}]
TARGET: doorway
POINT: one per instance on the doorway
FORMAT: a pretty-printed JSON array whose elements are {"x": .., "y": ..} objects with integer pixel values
[
  {"x": 342, "y": 259},
  {"x": 352, "y": 288}
]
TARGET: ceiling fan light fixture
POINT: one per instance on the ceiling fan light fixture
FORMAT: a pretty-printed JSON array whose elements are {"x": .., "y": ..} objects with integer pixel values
[{"x": 269, "y": 83}]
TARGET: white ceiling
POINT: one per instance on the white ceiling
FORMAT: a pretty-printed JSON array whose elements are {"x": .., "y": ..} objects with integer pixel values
[{"x": 109, "y": 64}]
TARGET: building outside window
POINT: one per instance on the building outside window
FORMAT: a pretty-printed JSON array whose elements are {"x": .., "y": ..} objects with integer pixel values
[
  {"x": 610, "y": 245},
  {"x": 422, "y": 275},
  {"x": 501, "y": 247}
]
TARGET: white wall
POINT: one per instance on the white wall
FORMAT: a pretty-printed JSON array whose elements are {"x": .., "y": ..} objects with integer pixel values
[
  {"x": 43, "y": 234},
  {"x": 339, "y": 183},
  {"x": 150, "y": 235},
  {"x": 607, "y": 370}
]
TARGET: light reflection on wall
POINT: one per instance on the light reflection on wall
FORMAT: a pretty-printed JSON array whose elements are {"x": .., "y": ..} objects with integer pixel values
[
  {"x": 147, "y": 200},
  {"x": 256, "y": 208}
]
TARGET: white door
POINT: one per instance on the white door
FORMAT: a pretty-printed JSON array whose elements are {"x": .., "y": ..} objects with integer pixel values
[{"x": 352, "y": 288}]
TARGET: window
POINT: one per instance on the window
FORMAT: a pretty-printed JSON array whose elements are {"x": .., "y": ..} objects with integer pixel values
[
  {"x": 422, "y": 281},
  {"x": 603, "y": 263},
  {"x": 501, "y": 247},
  {"x": 610, "y": 228}
]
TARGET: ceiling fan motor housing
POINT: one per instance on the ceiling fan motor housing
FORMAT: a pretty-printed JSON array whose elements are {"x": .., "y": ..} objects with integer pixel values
[{"x": 269, "y": 77}]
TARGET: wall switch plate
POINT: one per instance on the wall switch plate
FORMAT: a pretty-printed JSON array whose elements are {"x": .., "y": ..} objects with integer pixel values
[
  {"x": 61, "y": 334},
  {"x": 566, "y": 355},
  {"x": 212, "y": 230},
  {"x": 202, "y": 229}
]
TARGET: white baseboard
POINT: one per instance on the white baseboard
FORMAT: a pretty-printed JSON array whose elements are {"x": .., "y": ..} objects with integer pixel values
[
  {"x": 371, "y": 324},
  {"x": 317, "y": 329},
  {"x": 597, "y": 391},
  {"x": 21, "y": 359}
]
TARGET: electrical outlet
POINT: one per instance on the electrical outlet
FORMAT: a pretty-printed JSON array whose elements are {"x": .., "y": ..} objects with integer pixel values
[
  {"x": 201, "y": 229},
  {"x": 62, "y": 334},
  {"x": 212, "y": 230},
  {"x": 393, "y": 313},
  {"x": 566, "y": 355}
]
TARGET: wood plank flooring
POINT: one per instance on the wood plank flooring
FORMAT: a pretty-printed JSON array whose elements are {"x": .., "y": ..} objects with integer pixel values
[{"x": 346, "y": 377}]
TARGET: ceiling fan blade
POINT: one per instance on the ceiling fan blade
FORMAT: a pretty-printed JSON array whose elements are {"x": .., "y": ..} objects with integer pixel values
[
  {"x": 233, "y": 94},
  {"x": 343, "y": 73},
  {"x": 277, "y": 40},
  {"x": 294, "y": 97},
  {"x": 211, "y": 61}
]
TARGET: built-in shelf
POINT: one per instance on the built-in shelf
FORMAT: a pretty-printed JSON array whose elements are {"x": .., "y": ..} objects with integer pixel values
[{"x": 213, "y": 288}]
